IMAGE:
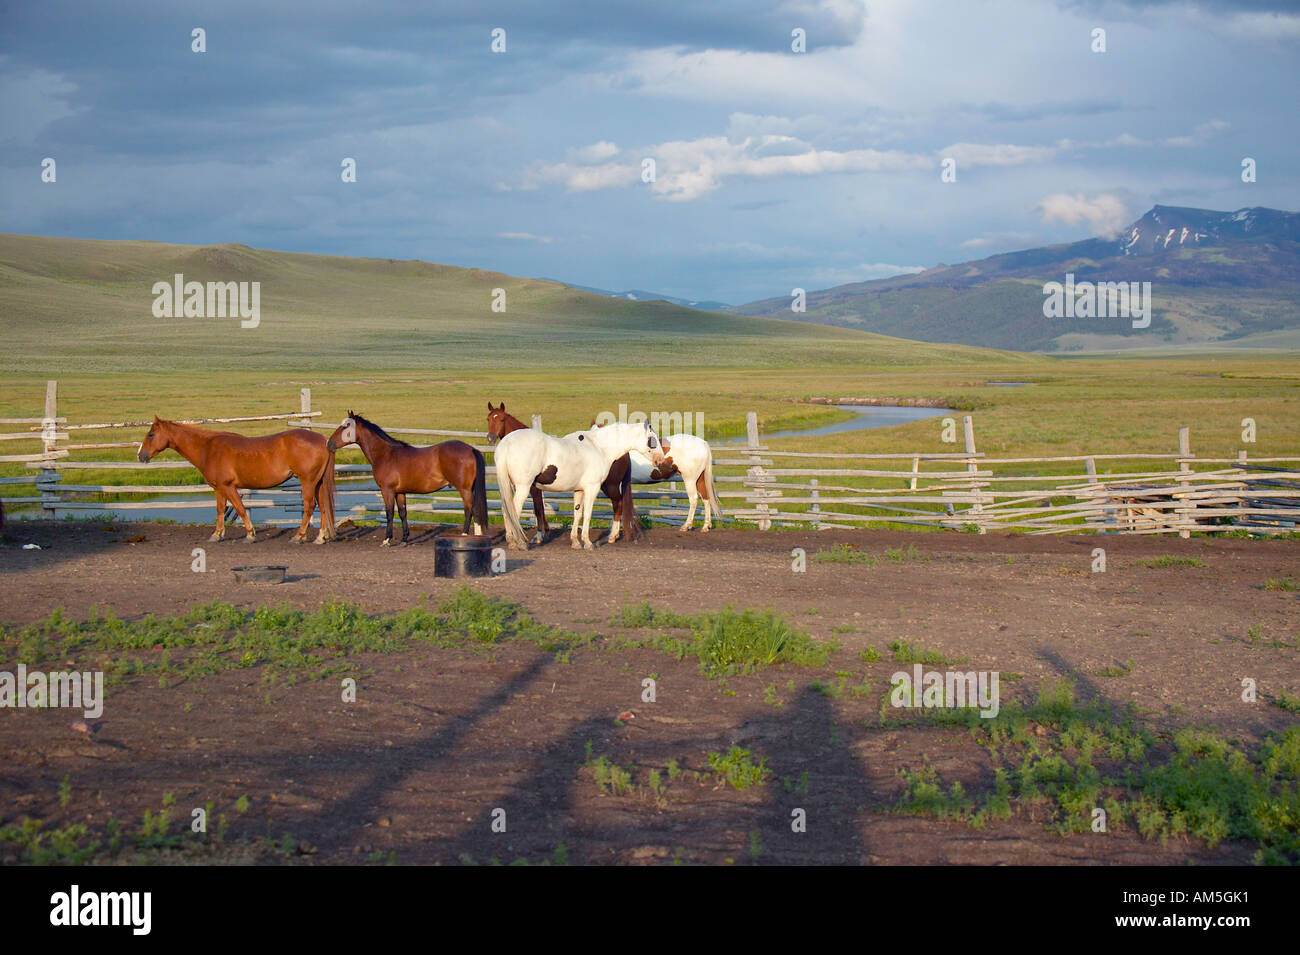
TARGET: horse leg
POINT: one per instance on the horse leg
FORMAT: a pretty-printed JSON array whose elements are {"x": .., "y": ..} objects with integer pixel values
[
  {"x": 401, "y": 509},
  {"x": 220, "y": 533},
  {"x": 308, "y": 507},
  {"x": 389, "y": 501},
  {"x": 578, "y": 513},
  {"x": 690, "y": 514},
  {"x": 521, "y": 495},
  {"x": 232, "y": 495},
  {"x": 539, "y": 516},
  {"x": 613, "y": 491},
  {"x": 701, "y": 487},
  {"x": 588, "y": 496},
  {"x": 326, "y": 520},
  {"x": 467, "y": 499}
]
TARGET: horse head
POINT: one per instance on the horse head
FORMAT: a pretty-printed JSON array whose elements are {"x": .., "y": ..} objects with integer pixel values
[
  {"x": 344, "y": 434},
  {"x": 158, "y": 439},
  {"x": 498, "y": 423}
]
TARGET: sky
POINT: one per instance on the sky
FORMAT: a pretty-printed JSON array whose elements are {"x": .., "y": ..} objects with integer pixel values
[{"x": 772, "y": 168}]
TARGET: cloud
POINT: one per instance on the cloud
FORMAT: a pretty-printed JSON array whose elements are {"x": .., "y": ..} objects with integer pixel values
[
  {"x": 866, "y": 272},
  {"x": 1001, "y": 154},
  {"x": 1200, "y": 136},
  {"x": 1268, "y": 26},
  {"x": 31, "y": 101},
  {"x": 687, "y": 169},
  {"x": 596, "y": 152},
  {"x": 1105, "y": 213},
  {"x": 526, "y": 237},
  {"x": 578, "y": 178},
  {"x": 1001, "y": 240}
]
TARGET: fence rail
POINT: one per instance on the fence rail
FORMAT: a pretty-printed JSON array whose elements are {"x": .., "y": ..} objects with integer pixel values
[{"x": 963, "y": 489}]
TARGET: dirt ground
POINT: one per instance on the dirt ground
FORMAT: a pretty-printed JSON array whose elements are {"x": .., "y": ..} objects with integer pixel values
[{"x": 439, "y": 739}]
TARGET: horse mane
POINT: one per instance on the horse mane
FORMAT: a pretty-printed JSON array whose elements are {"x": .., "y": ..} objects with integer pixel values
[{"x": 378, "y": 430}]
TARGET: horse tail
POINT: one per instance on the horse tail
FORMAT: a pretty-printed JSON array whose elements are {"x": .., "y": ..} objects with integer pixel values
[
  {"x": 506, "y": 488},
  {"x": 480, "y": 490},
  {"x": 627, "y": 515},
  {"x": 327, "y": 495},
  {"x": 708, "y": 477}
]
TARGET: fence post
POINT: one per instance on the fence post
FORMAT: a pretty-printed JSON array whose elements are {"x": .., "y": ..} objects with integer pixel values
[
  {"x": 49, "y": 442},
  {"x": 816, "y": 508},
  {"x": 916, "y": 470},
  {"x": 304, "y": 406},
  {"x": 1184, "y": 467},
  {"x": 756, "y": 473},
  {"x": 977, "y": 509},
  {"x": 537, "y": 422}
]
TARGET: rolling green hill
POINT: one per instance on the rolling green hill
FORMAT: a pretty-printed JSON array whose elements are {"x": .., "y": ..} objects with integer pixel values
[{"x": 81, "y": 305}]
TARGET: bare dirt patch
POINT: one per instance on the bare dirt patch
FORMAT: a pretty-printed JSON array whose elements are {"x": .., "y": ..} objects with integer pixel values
[{"x": 440, "y": 738}]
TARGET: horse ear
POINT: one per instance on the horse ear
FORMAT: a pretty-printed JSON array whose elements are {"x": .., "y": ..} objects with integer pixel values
[{"x": 490, "y": 408}]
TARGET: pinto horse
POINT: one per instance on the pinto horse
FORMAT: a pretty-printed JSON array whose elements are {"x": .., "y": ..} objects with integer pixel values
[
  {"x": 689, "y": 458},
  {"x": 579, "y": 463},
  {"x": 230, "y": 461},
  {"x": 400, "y": 469},
  {"x": 616, "y": 486}
]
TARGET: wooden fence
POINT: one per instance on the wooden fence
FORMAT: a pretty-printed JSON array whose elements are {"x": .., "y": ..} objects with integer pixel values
[{"x": 1168, "y": 492}]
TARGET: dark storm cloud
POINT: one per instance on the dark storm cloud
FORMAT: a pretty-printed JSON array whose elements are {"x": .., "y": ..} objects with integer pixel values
[{"x": 275, "y": 71}]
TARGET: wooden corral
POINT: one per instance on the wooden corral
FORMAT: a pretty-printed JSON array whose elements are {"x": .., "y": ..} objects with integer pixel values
[{"x": 1166, "y": 492}]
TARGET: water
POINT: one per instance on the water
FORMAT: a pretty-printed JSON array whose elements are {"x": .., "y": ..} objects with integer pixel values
[{"x": 868, "y": 416}]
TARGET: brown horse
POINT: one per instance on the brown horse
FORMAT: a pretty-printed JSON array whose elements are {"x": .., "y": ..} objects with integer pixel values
[
  {"x": 617, "y": 486},
  {"x": 400, "y": 469},
  {"x": 230, "y": 461}
]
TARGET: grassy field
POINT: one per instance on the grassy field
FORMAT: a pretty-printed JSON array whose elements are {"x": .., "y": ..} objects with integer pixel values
[
  {"x": 1072, "y": 406},
  {"x": 415, "y": 344}
]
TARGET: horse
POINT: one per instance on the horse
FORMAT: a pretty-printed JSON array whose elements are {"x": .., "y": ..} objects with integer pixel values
[
  {"x": 687, "y": 457},
  {"x": 578, "y": 464},
  {"x": 400, "y": 469},
  {"x": 616, "y": 486},
  {"x": 229, "y": 461}
]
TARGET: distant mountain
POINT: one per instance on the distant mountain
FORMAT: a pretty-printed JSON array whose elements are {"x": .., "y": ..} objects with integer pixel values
[
  {"x": 1229, "y": 278},
  {"x": 640, "y": 295}
]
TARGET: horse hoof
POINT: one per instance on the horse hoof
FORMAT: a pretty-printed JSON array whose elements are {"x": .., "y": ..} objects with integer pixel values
[
  {"x": 216, "y": 537},
  {"x": 706, "y": 528},
  {"x": 386, "y": 542},
  {"x": 588, "y": 545},
  {"x": 249, "y": 539},
  {"x": 295, "y": 540},
  {"x": 683, "y": 529}
]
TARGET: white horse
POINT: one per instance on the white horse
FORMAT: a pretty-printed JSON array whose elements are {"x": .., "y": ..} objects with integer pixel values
[
  {"x": 579, "y": 463},
  {"x": 686, "y": 457},
  {"x": 689, "y": 458}
]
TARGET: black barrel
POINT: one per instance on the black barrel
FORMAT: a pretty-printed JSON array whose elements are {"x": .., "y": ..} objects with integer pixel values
[{"x": 464, "y": 555}]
